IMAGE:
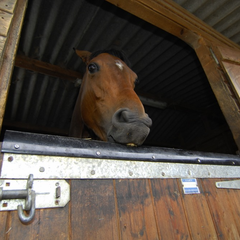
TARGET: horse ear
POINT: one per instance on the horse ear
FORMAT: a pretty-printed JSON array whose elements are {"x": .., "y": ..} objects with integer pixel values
[{"x": 84, "y": 55}]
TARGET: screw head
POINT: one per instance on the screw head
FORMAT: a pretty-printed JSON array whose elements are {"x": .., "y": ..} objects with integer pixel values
[
  {"x": 98, "y": 153},
  {"x": 16, "y": 146}
]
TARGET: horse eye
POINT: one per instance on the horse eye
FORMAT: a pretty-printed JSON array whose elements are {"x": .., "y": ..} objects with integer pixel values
[{"x": 93, "y": 67}]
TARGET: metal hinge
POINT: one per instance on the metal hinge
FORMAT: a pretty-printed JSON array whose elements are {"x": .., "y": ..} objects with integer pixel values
[
  {"x": 30, "y": 194},
  {"x": 234, "y": 184}
]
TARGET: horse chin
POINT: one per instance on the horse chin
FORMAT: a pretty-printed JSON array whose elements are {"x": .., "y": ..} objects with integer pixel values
[
  {"x": 128, "y": 128},
  {"x": 111, "y": 139}
]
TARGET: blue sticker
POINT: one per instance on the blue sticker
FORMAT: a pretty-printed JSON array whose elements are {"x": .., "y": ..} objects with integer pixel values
[
  {"x": 189, "y": 180},
  {"x": 191, "y": 190}
]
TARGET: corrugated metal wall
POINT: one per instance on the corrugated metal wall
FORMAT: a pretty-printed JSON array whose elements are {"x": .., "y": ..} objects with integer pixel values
[{"x": 168, "y": 70}]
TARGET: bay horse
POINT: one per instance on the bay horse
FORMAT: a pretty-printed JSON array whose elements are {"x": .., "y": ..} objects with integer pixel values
[{"x": 107, "y": 104}]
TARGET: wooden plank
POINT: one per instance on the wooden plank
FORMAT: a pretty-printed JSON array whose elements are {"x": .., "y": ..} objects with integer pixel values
[
  {"x": 4, "y": 224},
  {"x": 229, "y": 54},
  {"x": 17, "y": 230},
  {"x": 223, "y": 210},
  {"x": 46, "y": 68},
  {"x": 5, "y": 22},
  {"x": 234, "y": 199},
  {"x": 2, "y": 44},
  {"x": 152, "y": 12},
  {"x": 9, "y": 55},
  {"x": 169, "y": 211},
  {"x": 174, "y": 19},
  {"x": 8, "y": 5},
  {"x": 54, "y": 224},
  {"x": 47, "y": 224},
  {"x": 218, "y": 81},
  {"x": 93, "y": 212},
  {"x": 198, "y": 214},
  {"x": 136, "y": 212},
  {"x": 233, "y": 72}
]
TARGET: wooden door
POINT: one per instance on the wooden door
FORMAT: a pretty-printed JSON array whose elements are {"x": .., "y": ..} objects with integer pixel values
[
  {"x": 231, "y": 64},
  {"x": 133, "y": 209}
]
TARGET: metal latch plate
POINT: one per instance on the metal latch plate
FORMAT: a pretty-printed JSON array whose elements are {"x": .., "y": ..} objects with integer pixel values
[
  {"x": 235, "y": 184},
  {"x": 49, "y": 193}
]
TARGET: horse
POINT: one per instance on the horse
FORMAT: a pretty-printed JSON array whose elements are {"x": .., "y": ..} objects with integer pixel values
[{"x": 107, "y": 107}]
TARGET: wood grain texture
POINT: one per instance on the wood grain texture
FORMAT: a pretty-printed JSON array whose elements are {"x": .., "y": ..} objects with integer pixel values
[
  {"x": 5, "y": 22},
  {"x": 233, "y": 71},
  {"x": 217, "y": 81},
  {"x": 133, "y": 209},
  {"x": 199, "y": 217},
  {"x": 4, "y": 224},
  {"x": 93, "y": 212},
  {"x": 46, "y": 68},
  {"x": 136, "y": 213},
  {"x": 222, "y": 210},
  {"x": 54, "y": 224},
  {"x": 2, "y": 44},
  {"x": 9, "y": 54},
  {"x": 234, "y": 199},
  {"x": 169, "y": 211},
  {"x": 18, "y": 230},
  {"x": 229, "y": 54},
  {"x": 47, "y": 224},
  {"x": 8, "y": 5}
]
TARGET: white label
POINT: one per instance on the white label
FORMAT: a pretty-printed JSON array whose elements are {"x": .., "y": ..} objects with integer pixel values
[{"x": 190, "y": 186}]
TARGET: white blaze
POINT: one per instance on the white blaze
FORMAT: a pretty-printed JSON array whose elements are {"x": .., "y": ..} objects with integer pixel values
[{"x": 119, "y": 64}]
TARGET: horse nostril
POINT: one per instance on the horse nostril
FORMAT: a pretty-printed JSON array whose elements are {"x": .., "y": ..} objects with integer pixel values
[
  {"x": 124, "y": 115},
  {"x": 120, "y": 116}
]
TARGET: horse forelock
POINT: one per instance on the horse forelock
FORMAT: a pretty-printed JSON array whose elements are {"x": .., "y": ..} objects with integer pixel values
[{"x": 114, "y": 52}]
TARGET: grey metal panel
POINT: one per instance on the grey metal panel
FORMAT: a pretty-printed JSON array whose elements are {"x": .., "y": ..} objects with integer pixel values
[{"x": 44, "y": 167}]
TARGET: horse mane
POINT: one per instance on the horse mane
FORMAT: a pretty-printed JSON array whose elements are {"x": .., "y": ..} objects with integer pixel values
[{"x": 114, "y": 52}]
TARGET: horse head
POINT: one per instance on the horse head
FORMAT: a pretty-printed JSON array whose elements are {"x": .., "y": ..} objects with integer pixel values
[{"x": 107, "y": 103}]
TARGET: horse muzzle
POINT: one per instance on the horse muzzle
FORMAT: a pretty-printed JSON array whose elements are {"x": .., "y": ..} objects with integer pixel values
[{"x": 128, "y": 128}]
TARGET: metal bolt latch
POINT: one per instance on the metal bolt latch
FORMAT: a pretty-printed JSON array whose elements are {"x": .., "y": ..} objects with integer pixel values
[{"x": 28, "y": 194}]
